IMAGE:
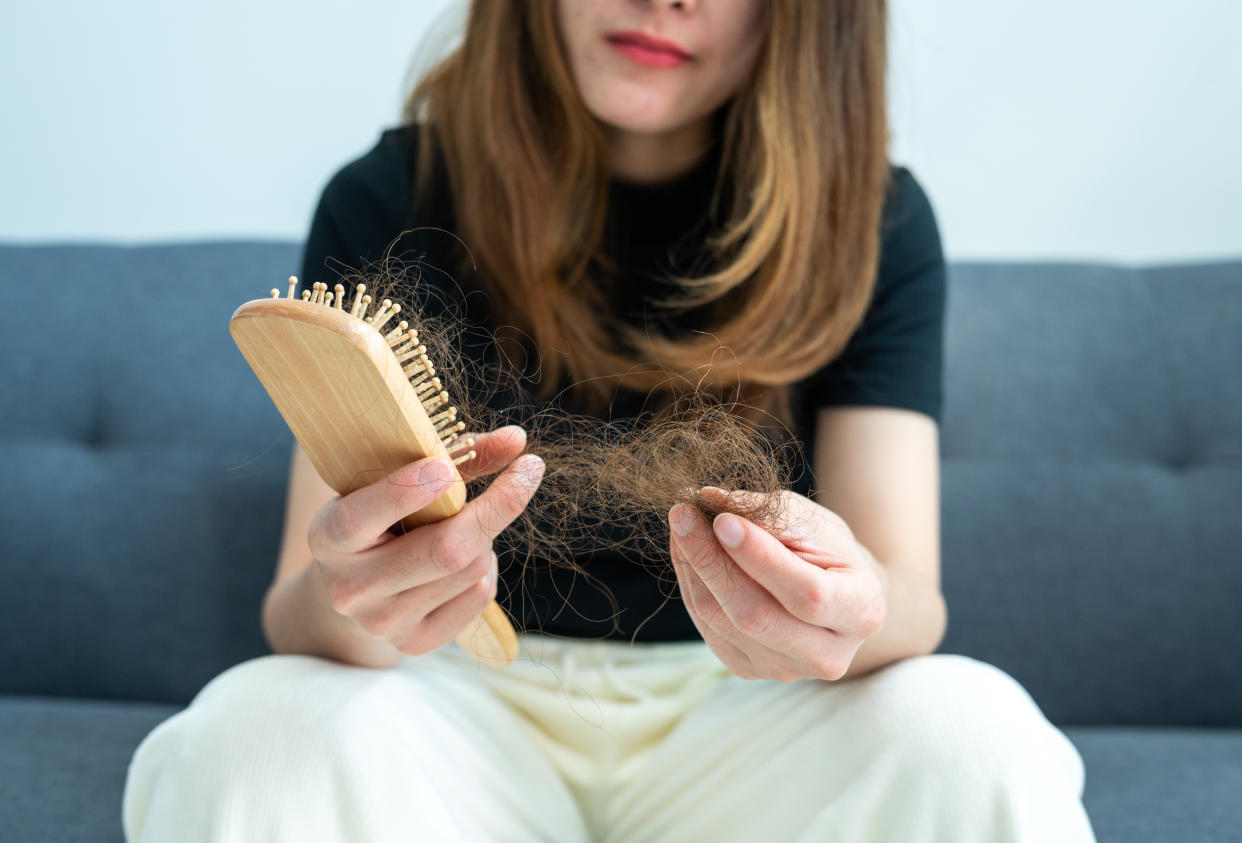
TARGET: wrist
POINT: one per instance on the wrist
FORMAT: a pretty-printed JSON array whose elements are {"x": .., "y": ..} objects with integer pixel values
[{"x": 299, "y": 618}]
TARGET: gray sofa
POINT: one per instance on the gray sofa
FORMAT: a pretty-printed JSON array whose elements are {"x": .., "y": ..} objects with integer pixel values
[{"x": 1092, "y": 483}]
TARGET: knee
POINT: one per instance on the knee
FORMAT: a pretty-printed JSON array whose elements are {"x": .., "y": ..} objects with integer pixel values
[
  {"x": 955, "y": 713},
  {"x": 275, "y": 712},
  {"x": 278, "y": 747}
]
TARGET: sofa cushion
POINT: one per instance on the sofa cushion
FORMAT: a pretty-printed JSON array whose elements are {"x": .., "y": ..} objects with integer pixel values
[
  {"x": 63, "y": 765},
  {"x": 1161, "y": 784}
]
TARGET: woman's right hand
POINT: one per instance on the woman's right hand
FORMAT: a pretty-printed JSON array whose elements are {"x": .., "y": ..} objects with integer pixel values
[{"x": 419, "y": 590}]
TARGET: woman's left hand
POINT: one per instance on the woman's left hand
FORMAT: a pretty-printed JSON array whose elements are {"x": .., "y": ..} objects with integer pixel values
[{"x": 788, "y": 605}]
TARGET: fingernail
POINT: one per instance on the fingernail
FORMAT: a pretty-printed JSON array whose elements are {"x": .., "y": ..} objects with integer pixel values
[
  {"x": 530, "y": 470},
  {"x": 728, "y": 529},
  {"x": 682, "y": 519},
  {"x": 435, "y": 474}
]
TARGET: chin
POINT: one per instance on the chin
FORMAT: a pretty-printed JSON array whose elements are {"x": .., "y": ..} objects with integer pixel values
[
  {"x": 638, "y": 111},
  {"x": 641, "y": 125}
]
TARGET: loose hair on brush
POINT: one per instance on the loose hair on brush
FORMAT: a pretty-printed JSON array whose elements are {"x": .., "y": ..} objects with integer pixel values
[{"x": 800, "y": 193}]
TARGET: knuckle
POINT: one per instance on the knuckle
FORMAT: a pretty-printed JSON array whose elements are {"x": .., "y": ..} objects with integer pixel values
[
  {"x": 830, "y": 667},
  {"x": 814, "y": 602},
  {"x": 873, "y": 616},
  {"x": 481, "y": 565},
  {"x": 481, "y": 592},
  {"x": 743, "y": 673},
  {"x": 719, "y": 619},
  {"x": 379, "y": 624},
  {"x": 756, "y": 620},
  {"x": 318, "y": 548},
  {"x": 412, "y": 644},
  {"x": 448, "y": 551},
  {"x": 344, "y": 594},
  {"x": 316, "y": 540},
  {"x": 711, "y": 611},
  {"x": 347, "y": 520}
]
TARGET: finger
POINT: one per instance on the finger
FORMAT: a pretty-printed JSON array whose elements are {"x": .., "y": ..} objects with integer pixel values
[
  {"x": 445, "y": 623},
  {"x": 798, "y": 522},
  {"x": 493, "y": 451},
  {"x": 750, "y": 607},
  {"x": 451, "y": 544},
  {"x": 836, "y": 596},
  {"x": 393, "y": 615},
  {"x": 360, "y": 520},
  {"x": 729, "y": 654},
  {"x": 766, "y": 663},
  {"x": 808, "y": 592},
  {"x": 414, "y": 604},
  {"x": 758, "y": 661}
]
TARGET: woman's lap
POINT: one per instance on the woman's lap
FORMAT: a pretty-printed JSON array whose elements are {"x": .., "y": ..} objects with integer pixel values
[
  {"x": 301, "y": 748},
  {"x": 600, "y": 740}
]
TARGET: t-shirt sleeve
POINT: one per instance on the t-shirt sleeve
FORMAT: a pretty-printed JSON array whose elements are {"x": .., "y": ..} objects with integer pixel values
[
  {"x": 362, "y": 207},
  {"x": 895, "y": 357},
  {"x": 325, "y": 240}
]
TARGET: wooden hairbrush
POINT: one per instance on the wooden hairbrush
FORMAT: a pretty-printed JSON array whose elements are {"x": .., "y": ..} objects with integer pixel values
[{"x": 363, "y": 403}]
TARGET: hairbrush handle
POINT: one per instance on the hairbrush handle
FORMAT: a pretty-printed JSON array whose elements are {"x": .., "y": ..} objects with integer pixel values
[{"x": 361, "y": 403}]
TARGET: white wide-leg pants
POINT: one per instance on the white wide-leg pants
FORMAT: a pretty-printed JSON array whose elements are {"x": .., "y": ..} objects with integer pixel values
[{"x": 587, "y": 740}]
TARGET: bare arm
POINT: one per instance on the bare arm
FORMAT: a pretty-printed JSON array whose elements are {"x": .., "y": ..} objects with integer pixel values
[{"x": 879, "y": 469}]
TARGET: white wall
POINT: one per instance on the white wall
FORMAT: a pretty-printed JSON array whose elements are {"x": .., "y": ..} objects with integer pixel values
[
  {"x": 1092, "y": 128},
  {"x": 144, "y": 120},
  {"x": 1096, "y": 129}
]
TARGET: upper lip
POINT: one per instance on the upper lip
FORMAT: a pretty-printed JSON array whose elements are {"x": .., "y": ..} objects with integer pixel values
[{"x": 642, "y": 39}]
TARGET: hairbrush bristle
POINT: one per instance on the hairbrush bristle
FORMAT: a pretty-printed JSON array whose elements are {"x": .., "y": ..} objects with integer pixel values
[{"x": 408, "y": 351}]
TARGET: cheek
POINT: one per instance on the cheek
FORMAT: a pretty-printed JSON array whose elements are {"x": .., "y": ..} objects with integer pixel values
[
  {"x": 587, "y": 61},
  {"x": 738, "y": 34},
  {"x": 571, "y": 23}
]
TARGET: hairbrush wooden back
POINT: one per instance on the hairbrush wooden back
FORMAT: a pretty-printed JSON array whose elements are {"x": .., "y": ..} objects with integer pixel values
[{"x": 362, "y": 403}]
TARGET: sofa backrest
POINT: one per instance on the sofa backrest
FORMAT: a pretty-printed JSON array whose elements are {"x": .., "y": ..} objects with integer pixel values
[
  {"x": 1092, "y": 477},
  {"x": 146, "y": 468},
  {"x": 1092, "y": 486}
]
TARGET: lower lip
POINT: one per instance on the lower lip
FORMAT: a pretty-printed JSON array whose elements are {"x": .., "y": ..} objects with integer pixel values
[{"x": 647, "y": 56}]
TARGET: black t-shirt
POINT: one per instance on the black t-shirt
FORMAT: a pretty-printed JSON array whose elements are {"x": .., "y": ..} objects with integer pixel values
[{"x": 893, "y": 359}]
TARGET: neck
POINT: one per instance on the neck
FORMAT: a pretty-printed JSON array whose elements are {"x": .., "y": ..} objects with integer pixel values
[{"x": 653, "y": 157}]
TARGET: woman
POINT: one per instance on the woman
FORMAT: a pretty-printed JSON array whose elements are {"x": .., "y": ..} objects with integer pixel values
[{"x": 603, "y": 161}]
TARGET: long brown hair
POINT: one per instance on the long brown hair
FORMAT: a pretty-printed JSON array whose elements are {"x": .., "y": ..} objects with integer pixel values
[{"x": 804, "y": 156}]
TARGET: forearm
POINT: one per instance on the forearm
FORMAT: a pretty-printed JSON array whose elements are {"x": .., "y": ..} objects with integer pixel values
[
  {"x": 299, "y": 618},
  {"x": 914, "y": 621}
]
